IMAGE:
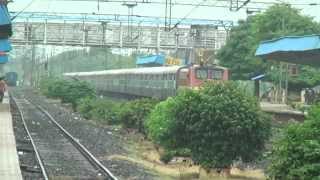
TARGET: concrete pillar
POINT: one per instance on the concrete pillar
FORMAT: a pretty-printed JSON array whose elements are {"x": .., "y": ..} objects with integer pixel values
[
  {"x": 84, "y": 34},
  {"x": 27, "y": 32},
  {"x": 158, "y": 39},
  {"x": 64, "y": 33},
  {"x": 139, "y": 37},
  {"x": 121, "y": 36},
  {"x": 45, "y": 32},
  {"x": 104, "y": 29}
]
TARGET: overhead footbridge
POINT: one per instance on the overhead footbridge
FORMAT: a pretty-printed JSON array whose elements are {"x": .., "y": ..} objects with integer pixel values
[{"x": 117, "y": 31}]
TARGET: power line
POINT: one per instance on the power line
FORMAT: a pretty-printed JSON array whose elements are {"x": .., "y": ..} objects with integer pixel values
[
  {"x": 195, "y": 4},
  {"x": 188, "y": 14},
  {"x": 26, "y": 7}
]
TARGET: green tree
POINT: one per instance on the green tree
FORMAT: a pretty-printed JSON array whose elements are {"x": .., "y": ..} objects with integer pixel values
[
  {"x": 225, "y": 125},
  {"x": 296, "y": 155},
  {"x": 158, "y": 121},
  {"x": 277, "y": 21},
  {"x": 219, "y": 124}
]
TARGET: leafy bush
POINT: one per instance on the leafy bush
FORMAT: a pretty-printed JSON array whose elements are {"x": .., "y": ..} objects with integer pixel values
[
  {"x": 160, "y": 124},
  {"x": 69, "y": 91},
  {"x": 44, "y": 85},
  {"x": 224, "y": 124},
  {"x": 85, "y": 106},
  {"x": 105, "y": 111},
  {"x": 132, "y": 114},
  {"x": 219, "y": 124},
  {"x": 296, "y": 155},
  {"x": 167, "y": 156}
]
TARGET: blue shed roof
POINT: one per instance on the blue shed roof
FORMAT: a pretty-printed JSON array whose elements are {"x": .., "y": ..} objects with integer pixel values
[
  {"x": 4, "y": 15},
  {"x": 292, "y": 49},
  {"x": 3, "y": 59},
  {"x": 151, "y": 60},
  {"x": 5, "y": 45}
]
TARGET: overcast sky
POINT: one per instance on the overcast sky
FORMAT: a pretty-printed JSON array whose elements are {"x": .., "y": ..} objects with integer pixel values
[{"x": 56, "y": 6}]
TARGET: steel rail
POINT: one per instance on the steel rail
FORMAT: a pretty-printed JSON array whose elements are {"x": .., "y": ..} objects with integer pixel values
[
  {"x": 43, "y": 170},
  {"x": 81, "y": 147}
]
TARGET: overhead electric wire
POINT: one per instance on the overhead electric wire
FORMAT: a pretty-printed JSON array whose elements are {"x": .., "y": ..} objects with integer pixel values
[
  {"x": 189, "y": 13},
  {"x": 21, "y": 11},
  {"x": 194, "y": 4}
]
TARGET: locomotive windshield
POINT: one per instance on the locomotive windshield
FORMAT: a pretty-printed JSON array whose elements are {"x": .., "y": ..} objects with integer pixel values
[
  {"x": 202, "y": 73},
  {"x": 209, "y": 73},
  {"x": 216, "y": 74}
]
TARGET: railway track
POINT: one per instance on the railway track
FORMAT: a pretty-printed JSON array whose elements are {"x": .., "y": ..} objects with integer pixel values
[
  {"x": 58, "y": 153},
  {"x": 30, "y": 164}
]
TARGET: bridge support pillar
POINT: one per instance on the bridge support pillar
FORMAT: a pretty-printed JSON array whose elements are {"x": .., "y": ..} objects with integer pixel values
[
  {"x": 45, "y": 32},
  {"x": 158, "y": 39},
  {"x": 121, "y": 36}
]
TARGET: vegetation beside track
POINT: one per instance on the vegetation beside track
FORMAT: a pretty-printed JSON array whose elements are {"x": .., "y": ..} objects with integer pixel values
[
  {"x": 216, "y": 125},
  {"x": 69, "y": 91},
  {"x": 227, "y": 119},
  {"x": 296, "y": 154},
  {"x": 82, "y": 96},
  {"x": 219, "y": 124}
]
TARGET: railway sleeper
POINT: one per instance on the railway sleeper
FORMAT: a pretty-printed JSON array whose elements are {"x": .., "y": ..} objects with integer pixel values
[
  {"x": 25, "y": 149},
  {"x": 30, "y": 169},
  {"x": 23, "y": 141}
]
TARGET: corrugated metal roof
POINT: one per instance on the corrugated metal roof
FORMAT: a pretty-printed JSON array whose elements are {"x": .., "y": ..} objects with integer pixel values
[
  {"x": 292, "y": 49},
  {"x": 4, "y": 15},
  {"x": 5, "y": 45},
  {"x": 3, "y": 59}
]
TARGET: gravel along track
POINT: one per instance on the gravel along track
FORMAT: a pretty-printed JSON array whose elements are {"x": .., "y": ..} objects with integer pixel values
[
  {"x": 60, "y": 157},
  {"x": 102, "y": 141}
]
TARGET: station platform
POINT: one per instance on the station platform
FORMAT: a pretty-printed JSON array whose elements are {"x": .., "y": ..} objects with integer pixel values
[
  {"x": 9, "y": 160},
  {"x": 282, "y": 111}
]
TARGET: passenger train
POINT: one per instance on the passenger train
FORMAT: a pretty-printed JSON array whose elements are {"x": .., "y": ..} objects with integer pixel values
[
  {"x": 11, "y": 78},
  {"x": 156, "y": 82}
]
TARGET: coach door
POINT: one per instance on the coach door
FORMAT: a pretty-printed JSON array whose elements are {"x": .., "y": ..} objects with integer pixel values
[{"x": 182, "y": 78}]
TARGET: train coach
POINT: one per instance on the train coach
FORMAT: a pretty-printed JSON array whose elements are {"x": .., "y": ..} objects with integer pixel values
[
  {"x": 11, "y": 78},
  {"x": 157, "y": 82}
]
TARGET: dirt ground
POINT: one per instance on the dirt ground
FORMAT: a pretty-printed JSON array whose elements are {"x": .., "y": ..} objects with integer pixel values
[{"x": 144, "y": 153}]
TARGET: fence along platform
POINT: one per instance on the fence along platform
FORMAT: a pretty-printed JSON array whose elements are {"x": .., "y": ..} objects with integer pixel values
[{"x": 9, "y": 160}]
